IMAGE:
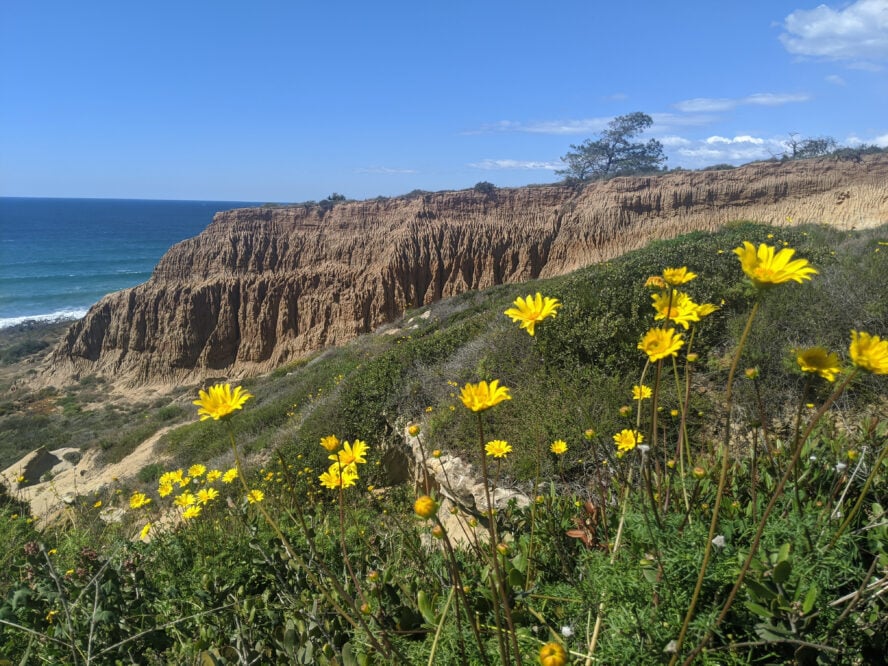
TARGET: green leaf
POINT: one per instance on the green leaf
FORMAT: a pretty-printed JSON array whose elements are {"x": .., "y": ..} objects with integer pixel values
[
  {"x": 768, "y": 632},
  {"x": 759, "y": 610},
  {"x": 783, "y": 553},
  {"x": 426, "y": 607},
  {"x": 782, "y": 572},
  {"x": 810, "y": 598}
]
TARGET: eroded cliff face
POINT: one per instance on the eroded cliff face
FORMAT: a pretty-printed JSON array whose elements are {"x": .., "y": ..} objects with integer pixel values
[{"x": 259, "y": 287}]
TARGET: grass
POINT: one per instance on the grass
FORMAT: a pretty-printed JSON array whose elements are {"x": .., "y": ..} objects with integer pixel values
[{"x": 314, "y": 576}]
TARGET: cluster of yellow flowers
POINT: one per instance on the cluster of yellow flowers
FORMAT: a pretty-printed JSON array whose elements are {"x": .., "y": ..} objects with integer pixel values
[{"x": 343, "y": 473}]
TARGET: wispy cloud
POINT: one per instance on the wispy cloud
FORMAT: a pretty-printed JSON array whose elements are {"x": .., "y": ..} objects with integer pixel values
[
  {"x": 385, "y": 171},
  {"x": 492, "y": 165},
  {"x": 756, "y": 141},
  {"x": 835, "y": 79},
  {"x": 721, "y": 149},
  {"x": 881, "y": 141},
  {"x": 588, "y": 126},
  {"x": 716, "y": 104},
  {"x": 856, "y": 32}
]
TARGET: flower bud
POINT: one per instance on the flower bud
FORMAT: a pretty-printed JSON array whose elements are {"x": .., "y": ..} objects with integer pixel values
[
  {"x": 698, "y": 472},
  {"x": 425, "y": 507},
  {"x": 751, "y": 373},
  {"x": 413, "y": 430}
]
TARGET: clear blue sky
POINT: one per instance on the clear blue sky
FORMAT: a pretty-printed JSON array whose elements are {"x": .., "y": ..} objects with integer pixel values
[{"x": 289, "y": 100}]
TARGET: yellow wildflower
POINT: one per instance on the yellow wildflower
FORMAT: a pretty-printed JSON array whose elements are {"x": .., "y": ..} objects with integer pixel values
[
  {"x": 559, "y": 447},
  {"x": 164, "y": 489},
  {"x": 196, "y": 471},
  {"x": 869, "y": 352},
  {"x": 330, "y": 442},
  {"x": 766, "y": 269},
  {"x": 676, "y": 307},
  {"x": 656, "y": 282},
  {"x": 339, "y": 477},
  {"x": 220, "y": 401},
  {"x": 205, "y": 495},
  {"x": 678, "y": 276},
  {"x": 230, "y": 475},
  {"x": 97, "y": 504},
  {"x": 641, "y": 392},
  {"x": 213, "y": 475},
  {"x": 481, "y": 396},
  {"x": 145, "y": 530},
  {"x": 497, "y": 448},
  {"x": 351, "y": 453},
  {"x": 255, "y": 496},
  {"x": 818, "y": 361},
  {"x": 138, "y": 500},
  {"x": 532, "y": 310},
  {"x": 660, "y": 343},
  {"x": 626, "y": 439},
  {"x": 185, "y": 499},
  {"x": 170, "y": 477},
  {"x": 191, "y": 512}
]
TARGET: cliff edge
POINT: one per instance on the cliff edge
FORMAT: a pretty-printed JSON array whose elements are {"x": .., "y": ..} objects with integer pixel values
[{"x": 261, "y": 286}]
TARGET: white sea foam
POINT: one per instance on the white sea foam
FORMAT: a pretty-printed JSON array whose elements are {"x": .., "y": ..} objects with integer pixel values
[{"x": 60, "y": 315}]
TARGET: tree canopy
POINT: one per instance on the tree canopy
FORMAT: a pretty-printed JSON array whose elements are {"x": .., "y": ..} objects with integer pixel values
[{"x": 614, "y": 153}]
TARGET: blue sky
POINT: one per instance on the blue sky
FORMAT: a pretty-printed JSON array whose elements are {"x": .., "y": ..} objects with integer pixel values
[{"x": 290, "y": 101}]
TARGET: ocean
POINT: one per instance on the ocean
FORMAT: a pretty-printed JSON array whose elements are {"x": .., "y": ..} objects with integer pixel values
[{"x": 59, "y": 256}]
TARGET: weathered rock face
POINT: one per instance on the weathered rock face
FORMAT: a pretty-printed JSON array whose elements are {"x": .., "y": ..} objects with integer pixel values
[{"x": 261, "y": 286}]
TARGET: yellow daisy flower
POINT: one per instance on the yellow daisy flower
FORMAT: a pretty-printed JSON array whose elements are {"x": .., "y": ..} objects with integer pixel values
[
  {"x": 230, "y": 475},
  {"x": 330, "y": 442},
  {"x": 532, "y": 310},
  {"x": 626, "y": 439},
  {"x": 255, "y": 496},
  {"x": 641, "y": 392},
  {"x": 138, "y": 500},
  {"x": 351, "y": 453},
  {"x": 213, "y": 475},
  {"x": 678, "y": 276},
  {"x": 339, "y": 477},
  {"x": 497, "y": 448},
  {"x": 145, "y": 530},
  {"x": 164, "y": 489},
  {"x": 869, "y": 352},
  {"x": 818, "y": 361},
  {"x": 196, "y": 470},
  {"x": 219, "y": 401},
  {"x": 191, "y": 512},
  {"x": 660, "y": 343},
  {"x": 185, "y": 499},
  {"x": 676, "y": 307},
  {"x": 206, "y": 495},
  {"x": 171, "y": 477},
  {"x": 766, "y": 269},
  {"x": 481, "y": 396},
  {"x": 559, "y": 447}
]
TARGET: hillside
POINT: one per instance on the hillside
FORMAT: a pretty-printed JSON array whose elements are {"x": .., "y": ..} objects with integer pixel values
[{"x": 263, "y": 286}]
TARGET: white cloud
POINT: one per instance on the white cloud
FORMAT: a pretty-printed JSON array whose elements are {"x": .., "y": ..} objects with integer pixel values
[
  {"x": 858, "y": 31},
  {"x": 491, "y": 165},
  {"x": 737, "y": 139},
  {"x": 674, "y": 141},
  {"x": 881, "y": 141},
  {"x": 714, "y": 104},
  {"x": 386, "y": 171},
  {"x": 835, "y": 79}
]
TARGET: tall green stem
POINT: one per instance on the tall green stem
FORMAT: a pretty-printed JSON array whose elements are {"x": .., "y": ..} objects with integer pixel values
[{"x": 722, "y": 481}]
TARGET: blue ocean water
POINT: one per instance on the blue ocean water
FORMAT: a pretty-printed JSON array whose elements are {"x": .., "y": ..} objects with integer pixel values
[{"x": 59, "y": 256}]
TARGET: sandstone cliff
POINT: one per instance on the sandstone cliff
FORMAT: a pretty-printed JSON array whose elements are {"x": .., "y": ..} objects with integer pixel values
[{"x": 264, "y": 285}]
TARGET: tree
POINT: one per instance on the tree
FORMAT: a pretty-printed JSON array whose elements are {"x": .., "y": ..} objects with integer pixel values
[
  {"x": 800, "y": 149},
  {"x": 614, "y": 153}
]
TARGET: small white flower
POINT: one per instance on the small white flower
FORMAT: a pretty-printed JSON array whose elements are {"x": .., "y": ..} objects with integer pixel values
[
  {"x": 671, "y": 647},
  {"x": 719, "y": 541},
  {"x": 567, "y": 631},
  {"x": 841, "y": 467},
  {"x": 812, "y": 458},
  {"x": 644, "y": 448}
]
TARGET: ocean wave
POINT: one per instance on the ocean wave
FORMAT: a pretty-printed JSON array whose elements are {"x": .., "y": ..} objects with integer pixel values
[{"x": 60, "y": 315}]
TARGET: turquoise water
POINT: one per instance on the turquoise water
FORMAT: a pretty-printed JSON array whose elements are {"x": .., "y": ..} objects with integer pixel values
[{"x": 59, "y": 256}]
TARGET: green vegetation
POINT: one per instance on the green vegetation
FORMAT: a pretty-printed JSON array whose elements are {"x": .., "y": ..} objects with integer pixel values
[{"x": 755, "y": 539}]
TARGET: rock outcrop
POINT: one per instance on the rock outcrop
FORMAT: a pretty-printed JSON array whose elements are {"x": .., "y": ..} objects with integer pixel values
[{"x": 262, "y": 286}]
